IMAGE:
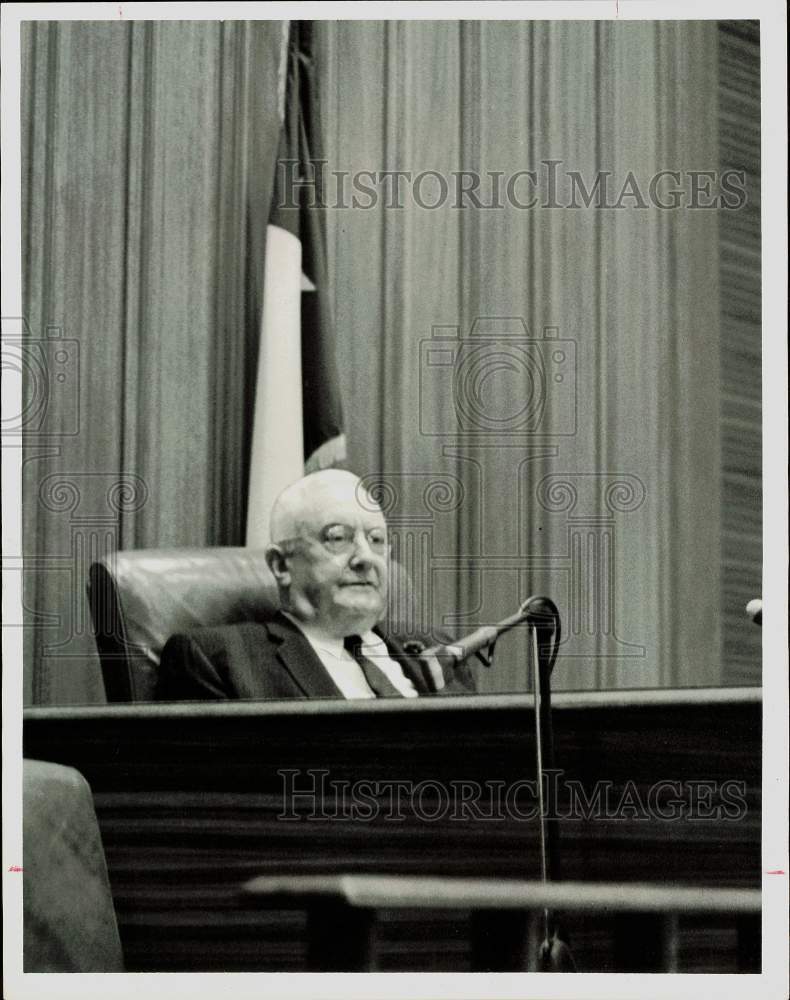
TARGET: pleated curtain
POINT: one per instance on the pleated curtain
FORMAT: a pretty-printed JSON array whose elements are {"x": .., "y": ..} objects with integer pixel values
[
  {"x": 535, "y": 393},
  {"x": 610, "y": 502},
  {"x": 148, "y": 155}
]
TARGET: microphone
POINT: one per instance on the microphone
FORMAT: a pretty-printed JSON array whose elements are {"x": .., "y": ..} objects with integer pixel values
[
  {"x": 754, "y": 609},
  {"x": 539, "y": 610}
]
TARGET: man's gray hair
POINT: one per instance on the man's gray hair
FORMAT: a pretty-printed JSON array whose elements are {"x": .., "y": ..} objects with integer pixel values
[{"x": 288, "y": 509}]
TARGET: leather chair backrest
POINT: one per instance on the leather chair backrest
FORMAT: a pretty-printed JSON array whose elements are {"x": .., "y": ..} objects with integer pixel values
[{"x": 139, "y": 598}]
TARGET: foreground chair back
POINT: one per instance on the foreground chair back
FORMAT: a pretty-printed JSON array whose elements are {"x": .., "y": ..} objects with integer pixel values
[{"x": 69, "y": 919}]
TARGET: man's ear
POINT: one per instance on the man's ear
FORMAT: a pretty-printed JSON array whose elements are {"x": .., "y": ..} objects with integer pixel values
[{"x": 277, "y": 561}]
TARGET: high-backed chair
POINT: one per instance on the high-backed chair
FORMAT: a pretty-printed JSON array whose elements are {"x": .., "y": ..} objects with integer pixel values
[{"x": 139, "y": 598}]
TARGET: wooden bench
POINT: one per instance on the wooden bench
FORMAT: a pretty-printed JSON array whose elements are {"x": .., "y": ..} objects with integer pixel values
[{"x": 192, "y": 803}]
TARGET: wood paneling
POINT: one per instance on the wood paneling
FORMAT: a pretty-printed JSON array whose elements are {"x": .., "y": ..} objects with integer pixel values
[
  {"x": 741, "y": 351},
  {"x": 190, "y": 805}
]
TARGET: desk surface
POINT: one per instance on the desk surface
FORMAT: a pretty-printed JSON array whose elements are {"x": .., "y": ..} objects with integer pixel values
[
  {"x": 392, "y": 892},
  {"x": 561, "y": 700}
]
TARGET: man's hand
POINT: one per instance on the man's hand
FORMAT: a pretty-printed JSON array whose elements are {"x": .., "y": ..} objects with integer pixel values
[{"x": 445, "y": 674}]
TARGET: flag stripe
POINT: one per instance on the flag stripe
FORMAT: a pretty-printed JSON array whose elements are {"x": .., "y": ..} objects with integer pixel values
[
  {"x": 298, "y": 423},
  {"x": 277, "y": 452}
]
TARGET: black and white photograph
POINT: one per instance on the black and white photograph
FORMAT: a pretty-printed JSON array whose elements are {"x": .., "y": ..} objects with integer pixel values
[{"x": 394, "y": 439}]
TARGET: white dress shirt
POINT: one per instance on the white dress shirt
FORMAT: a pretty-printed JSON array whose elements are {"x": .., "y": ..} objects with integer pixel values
[{"x": 344, "y": 669}]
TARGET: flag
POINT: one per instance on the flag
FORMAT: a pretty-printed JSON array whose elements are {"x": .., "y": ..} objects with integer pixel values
[{"x": 298, "y": 421}]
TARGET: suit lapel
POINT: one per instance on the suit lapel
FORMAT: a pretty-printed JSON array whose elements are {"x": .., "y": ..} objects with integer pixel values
[
  {"x": 300, "y": 659},
  {"x": 409, "y": 665}
]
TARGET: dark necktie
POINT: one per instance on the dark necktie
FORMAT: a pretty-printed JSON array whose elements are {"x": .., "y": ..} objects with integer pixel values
[{"x": 378, "y": 681}]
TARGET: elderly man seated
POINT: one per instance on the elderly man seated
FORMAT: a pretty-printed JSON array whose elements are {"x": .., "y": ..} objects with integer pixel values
[{"x": 330, "y": 559}]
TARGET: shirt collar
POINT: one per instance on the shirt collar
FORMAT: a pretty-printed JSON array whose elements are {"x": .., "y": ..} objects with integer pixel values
[{"x": 331, "y": 644}]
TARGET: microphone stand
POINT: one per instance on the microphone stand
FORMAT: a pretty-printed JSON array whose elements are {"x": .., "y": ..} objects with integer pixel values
[{"x": 543, "y": 619}]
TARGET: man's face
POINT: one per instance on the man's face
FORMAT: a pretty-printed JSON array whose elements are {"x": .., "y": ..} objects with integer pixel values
[{"x": 337, "y": 564}]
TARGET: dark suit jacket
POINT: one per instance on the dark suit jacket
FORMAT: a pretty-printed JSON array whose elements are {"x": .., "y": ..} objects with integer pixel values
[{"x": 270, "y": 660}]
